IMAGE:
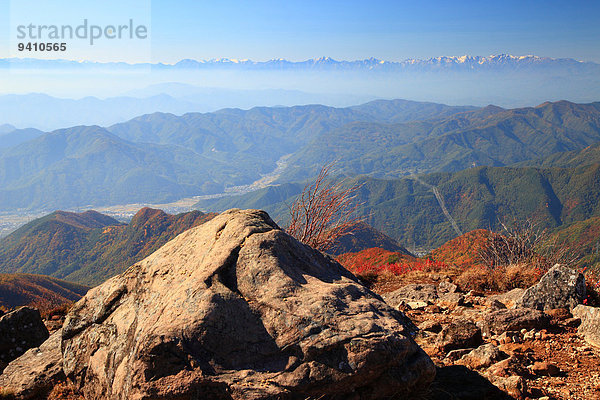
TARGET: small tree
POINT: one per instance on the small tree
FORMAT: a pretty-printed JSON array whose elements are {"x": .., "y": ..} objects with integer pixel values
[{"x": 324, "y": 211}]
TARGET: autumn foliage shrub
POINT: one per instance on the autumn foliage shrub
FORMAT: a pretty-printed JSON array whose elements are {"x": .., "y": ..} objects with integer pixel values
[
  {"x": 399, "y": 267},
  {"x": 375, "y": 264},
  {"x": 380, "y": 266}
]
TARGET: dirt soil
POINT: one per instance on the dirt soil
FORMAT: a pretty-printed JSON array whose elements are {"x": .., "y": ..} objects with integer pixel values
[{"x": 559, "y": 345}]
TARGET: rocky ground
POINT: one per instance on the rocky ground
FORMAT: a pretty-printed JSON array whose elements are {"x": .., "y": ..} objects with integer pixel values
[
  {"x": 478, "y": 337},
  {"x": 237, "y": 309},
  {"x": 546, "y": 360}
]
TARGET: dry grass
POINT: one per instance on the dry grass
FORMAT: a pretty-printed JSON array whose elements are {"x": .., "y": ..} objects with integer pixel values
[
  {"x": 499, "y": 279},
  {"x": 481, "y": 279}
]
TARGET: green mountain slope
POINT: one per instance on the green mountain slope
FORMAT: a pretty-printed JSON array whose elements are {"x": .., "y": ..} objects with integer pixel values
[
  {"x": 489, "y": 136},
  {"x": 262, "y": 135},
  {"x": 167, "y": 157},
  {"x": 583, "y": 236},
  {"x": 587, "y": 156},
  {"x": 408, "y": 211},
  {"x": 89, "y": 165},
  {"x": 61, "y": 247},
  {"x": 365, "y": 237}
]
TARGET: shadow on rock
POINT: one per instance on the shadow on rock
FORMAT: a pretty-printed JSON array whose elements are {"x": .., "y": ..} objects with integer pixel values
[{"x": 460, "y": 383}]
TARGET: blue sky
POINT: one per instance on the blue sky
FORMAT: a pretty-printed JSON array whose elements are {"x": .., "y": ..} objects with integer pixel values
[{"x": 391, "y": 30}]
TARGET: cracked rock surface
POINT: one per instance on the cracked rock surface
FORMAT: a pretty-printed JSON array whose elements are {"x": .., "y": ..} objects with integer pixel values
[{"x": 238, "y": 309}]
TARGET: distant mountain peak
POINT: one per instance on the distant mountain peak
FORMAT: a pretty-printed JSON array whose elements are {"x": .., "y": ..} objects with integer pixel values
[
  {"x": 146, "y": 214},
  {"x": 6, "y": 128},
  {"x": 86, "y": 220},
  {"x": 468, "y": 61}
]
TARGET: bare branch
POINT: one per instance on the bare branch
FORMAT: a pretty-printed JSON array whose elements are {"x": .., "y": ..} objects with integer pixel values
[
  {"x": 324, "y": 211},
  {"x": 526, "y": 243}
]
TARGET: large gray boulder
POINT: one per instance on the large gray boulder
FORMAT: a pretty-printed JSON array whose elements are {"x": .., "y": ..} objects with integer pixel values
[
  {"x": 238, "y": 309},
  {"x": 424, "y": 292},
  {"x": 35, "y": 373},
  {"x": 20, "y": 330},
  {"x": 497, "y": 322},
  {"x": 590, "y": 323},
  {"x": 560, "y": 287}
]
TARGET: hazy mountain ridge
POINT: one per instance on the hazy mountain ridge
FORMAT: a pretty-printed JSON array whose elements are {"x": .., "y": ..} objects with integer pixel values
[
  {"x": 176, "y": 98},
  {"x": 90, "y": 165},
  {"x": 466, "y": 62},
  {"x": 12, "y": 136}
]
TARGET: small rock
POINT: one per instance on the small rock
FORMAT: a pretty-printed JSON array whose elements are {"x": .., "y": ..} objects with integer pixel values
[
  {"x": 433, "y": 309},
  {"x": 451, "y": 300},
  {"x": 559, "y": 314},
  {"x": 414, "y": 292},
  {"x": 509, "y": 337},
  {"x": 430, "y": 326},
  {"x": 544, "y": 368},
  {"x": 475, "y": 293},
  {"x": 514, "y": 386},
  {"x": 447, "y": 287},
  {"x": 454, "y": 355},
  {"x": 572, "y": 322},
  {"x": 529, "y": 335},
  {"x": 482, "y": 357},
  {"x": 495, "y": 305},
  {"x": 416, "y": 305},
  {"x": 509, "y": 299},
  {"x": 502, "y": 368},
  {"x": 459, "y": 334},
  {"x": 547, "y": 335}
]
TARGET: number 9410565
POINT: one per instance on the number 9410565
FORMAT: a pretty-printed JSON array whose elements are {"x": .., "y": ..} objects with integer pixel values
[{"x": 42, "y": 46}]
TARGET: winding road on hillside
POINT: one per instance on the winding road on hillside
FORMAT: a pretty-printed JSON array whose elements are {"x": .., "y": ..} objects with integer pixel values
[{"x": 440, "y": 200}]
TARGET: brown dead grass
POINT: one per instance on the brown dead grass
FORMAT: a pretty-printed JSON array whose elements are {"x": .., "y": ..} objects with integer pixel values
[
  {"x": 499, "y": 279},
  {"x": 481, "y": 279}
]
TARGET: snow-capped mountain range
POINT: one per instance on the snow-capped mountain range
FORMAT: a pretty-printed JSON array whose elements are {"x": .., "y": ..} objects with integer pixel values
[{"x": 466, "y": 62}]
